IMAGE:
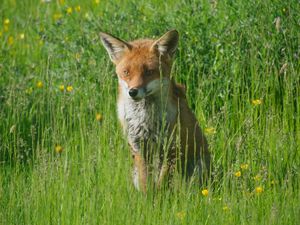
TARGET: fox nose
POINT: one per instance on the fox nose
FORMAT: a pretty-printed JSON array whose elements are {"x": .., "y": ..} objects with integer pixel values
[{"x": 133, "y": 92}]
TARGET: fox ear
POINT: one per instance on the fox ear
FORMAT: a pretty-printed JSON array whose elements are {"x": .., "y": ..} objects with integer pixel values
[
  {"x": 114, "y": 46},
  {"x": 167, "y": 44}
]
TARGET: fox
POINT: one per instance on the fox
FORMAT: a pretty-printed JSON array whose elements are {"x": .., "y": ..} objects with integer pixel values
[{"x": 161, "y": 129}]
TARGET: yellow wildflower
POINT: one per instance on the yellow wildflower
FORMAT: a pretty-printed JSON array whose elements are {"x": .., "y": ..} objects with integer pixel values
[
  {"x": 244, "y": 166},
  {"x": 10, "y": 40},
  {"x": 69, "y": 10},
  {"x": 97, "y": 2},
  {"x": 22, "y": 36},
  {"x": 39, "y": 84},
  {"x": 210, "y": 130},
  {"x": 257, "y": 177},
  {"x": 204, "y": 192},
  {"x": 57, "y": 16},
  {"x": 259, "y": 190},
  {"x": 6, "y": 22},
  {"x": 256, "y": 102},
  {"x": 61, "y": 87},
  {"x": 69, "y": 88},
  {"x": 58, "y": 148},
  {"x": 78, "y": 8},
  {"x": 99, "y": 117},
  {"x": 238, "y": 174},
  {"x": 181, "y": 215}
]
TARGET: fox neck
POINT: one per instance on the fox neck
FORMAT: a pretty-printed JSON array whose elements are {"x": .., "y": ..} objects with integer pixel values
[{"x": 145, "y": 119}]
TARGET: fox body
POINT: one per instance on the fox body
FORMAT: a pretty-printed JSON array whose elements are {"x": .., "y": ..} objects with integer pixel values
[{"x": 153, "y": 110}]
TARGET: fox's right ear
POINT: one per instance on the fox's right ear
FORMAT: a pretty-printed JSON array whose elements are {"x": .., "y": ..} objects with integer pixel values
[
  {"x": 114, "y": 46},
  {"x": 167, "y": 44}
]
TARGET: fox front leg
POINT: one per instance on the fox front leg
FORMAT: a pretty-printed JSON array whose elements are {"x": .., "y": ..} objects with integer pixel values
[
  {"x": 139, "y": 172},
  {"x": 139, "y": 169}
]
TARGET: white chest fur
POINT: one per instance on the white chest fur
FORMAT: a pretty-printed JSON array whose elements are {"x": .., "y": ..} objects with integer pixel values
[{"x": 145, "y": 120}]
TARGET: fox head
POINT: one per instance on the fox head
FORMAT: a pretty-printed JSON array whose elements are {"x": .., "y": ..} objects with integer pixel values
[{"x": 143, "y": 66}]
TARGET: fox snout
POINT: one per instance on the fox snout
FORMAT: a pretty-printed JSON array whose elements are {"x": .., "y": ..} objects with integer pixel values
[
  {"x": 152, "y": 88},
  {"x": 137, "y": 93},
  {"x": 133, "y": 92}
]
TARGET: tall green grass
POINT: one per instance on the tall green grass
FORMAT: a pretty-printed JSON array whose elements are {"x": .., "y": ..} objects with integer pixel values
[{"x": 230, "y": 53}]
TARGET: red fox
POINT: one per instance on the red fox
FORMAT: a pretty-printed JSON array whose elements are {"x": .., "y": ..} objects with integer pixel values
[{"x": 161, "y": 129}]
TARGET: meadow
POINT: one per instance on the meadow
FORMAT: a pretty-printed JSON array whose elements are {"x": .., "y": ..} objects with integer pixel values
[{"x": 63, "y": 157}]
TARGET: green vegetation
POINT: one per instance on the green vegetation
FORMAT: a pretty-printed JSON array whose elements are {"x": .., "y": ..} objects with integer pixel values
[{"x": 63, "y": 158}]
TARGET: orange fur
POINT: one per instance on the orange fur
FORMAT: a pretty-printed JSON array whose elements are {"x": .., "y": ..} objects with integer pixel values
[{"x": 141, "y": 65}]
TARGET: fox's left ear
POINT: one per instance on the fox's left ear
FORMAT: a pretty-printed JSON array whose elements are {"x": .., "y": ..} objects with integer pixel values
[{"x": 167, "y": 44}]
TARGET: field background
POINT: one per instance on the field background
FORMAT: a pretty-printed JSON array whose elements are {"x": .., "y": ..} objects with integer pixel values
[{"x": 63, "y": 158}]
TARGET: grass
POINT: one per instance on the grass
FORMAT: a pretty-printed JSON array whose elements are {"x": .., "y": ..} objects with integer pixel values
[{"x": 231, "y": 53}]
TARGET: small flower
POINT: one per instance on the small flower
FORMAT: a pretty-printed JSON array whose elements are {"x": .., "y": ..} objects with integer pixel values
[
  {"x": 69, "y": 88},
  {"x": 99, "y": 117},
  {"x": 210, "y": 130},
  {"x": 10, "y": 40},
  {"x": 238, "y": 174},
  {"x": 204, "y": 192},
  {"x": 259, "y": 190},
  {"x": 6, "y": 22},
  {"x": 244, "y": 166},
  {"x": 225, "y": 208},
  {"x": 57, "y": 16},
  {"x": 181, "y": 215},
  {"x": 97, "y": 2},
  {"x": 257, "y": 177},
  {"x": 58, "y": 149},
  {"x": 256, "y": 102},
  {"x": 78, "y": 8},
  {"x": 39, "y": 84},
  {"x": 61, "y": 87},
  {"x": 69, "y": 10},
  {"x": 22, "y": 36}
]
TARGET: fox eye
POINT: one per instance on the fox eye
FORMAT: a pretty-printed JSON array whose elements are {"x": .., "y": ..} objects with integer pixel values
[
  {"x": 125, "y": 73},
  {"x": 149, "y": 72}
]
